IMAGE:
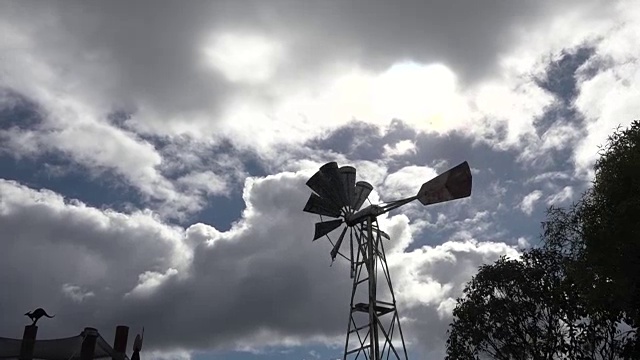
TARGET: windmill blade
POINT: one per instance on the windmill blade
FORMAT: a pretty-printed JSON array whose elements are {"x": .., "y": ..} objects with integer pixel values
[
  {"x": 454, "y": 183},
  {"x": 336, "y": 247},
  {"x": 325, "y": 227},
  {"x": 331, "y": 171},
  {"x": 321, "y": 206},
  {"x": 363, "y": 189},
  {"x": 348, "y": 174},
  {"x": 323, "y": 186}
]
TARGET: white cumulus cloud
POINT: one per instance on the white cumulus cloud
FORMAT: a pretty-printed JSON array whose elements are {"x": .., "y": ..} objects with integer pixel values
[{"x": 528, "y": 202}]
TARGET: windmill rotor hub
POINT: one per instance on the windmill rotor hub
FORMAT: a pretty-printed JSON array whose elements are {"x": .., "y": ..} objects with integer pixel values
[{"x": 362, "y": 215}]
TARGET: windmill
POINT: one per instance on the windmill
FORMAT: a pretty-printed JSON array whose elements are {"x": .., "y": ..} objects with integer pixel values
[{"x": 373, "y": 322}]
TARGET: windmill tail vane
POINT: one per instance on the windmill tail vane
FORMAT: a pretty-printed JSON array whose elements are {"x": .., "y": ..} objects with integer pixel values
[{"x": 373, "y": 330}]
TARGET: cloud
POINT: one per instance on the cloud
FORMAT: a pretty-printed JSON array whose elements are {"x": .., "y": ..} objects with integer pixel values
[
  {"x": 244, "y": 58},
  {"x": 374, "y": 73},
  {"x": 207, "y": 182},
  {"x": 529, "y": 201},
  {"x": 75, "y": 133},
  {"x": 260, "y": 278},
  {"x": 149, "y": 281},
  {"x": 563, "y": 195},
  {"x": 400, "y": 148},
  {"x": 108, "y": 246},
  {"x": 183, "y": 105},
  {"x": 607, "y": 86},
  {"x": 169, "y": 355},
  {"x": 76, "y": 293},
  {"x": 406, "y": 181},
  {"x": 523, "y": 243},
  {"x": 428, "y": 281},
  {"x": 547, "y": 176}
]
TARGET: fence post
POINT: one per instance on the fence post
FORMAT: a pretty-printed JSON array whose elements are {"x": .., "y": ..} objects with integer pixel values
[
  {"x": 28, "y": 342},
  {"x": 120, "y": 341},
  {"x": 89, "y": 343}
]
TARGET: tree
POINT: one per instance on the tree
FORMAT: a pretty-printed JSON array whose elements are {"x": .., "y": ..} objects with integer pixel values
[
  {"x": 528, "y": 309},
  {"x": 601, "y": 232},
  {"x": 577, "y": 297},
  {"x": 612, "y": 208}
]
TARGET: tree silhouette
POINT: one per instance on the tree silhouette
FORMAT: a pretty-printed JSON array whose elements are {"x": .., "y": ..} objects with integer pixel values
[
  {"x": 578, "y": 297},
  {"x": 601, "y": 232},
  {"x": 528, "y": 309}
]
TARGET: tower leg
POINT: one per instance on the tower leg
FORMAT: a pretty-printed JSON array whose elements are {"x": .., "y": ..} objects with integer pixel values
[
  {"x": 374, "y": 354},
  {"x": 372, "y": 322}
]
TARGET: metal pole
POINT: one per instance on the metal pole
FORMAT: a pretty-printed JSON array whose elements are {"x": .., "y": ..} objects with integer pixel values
[
  {"x": 353, "y": 294},
  {"x": 28, "y": 342},
  {"x": 371, "y": 268},
  {"x": 88, "y": 344},
  {"x": 120, "y": 341}
]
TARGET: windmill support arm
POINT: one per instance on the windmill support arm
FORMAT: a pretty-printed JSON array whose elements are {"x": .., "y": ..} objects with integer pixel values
[
  {"x": 396, "y": 204},
  {"x": 376, "y": 210}
]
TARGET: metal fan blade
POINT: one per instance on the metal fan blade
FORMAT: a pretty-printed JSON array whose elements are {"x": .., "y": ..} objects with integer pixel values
[
  {"x": 330, "y": 170},
  {"x": 348, "y": 174},
  {"x": 320, "y": 206},
  {"x": 363, "y": 189},
  {"x": 323, "y": 186},
  {"x": 336, "y": 247},
  {"x": 325, "y": 227},
  {"x": 320, "y": 184},
  {"x": 453, "y": 184}
]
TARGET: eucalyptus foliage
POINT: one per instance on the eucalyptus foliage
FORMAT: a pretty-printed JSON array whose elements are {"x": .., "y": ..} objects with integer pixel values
[
  {"x": 577, "y": 297},
  {"x": 529, "y": 308}
]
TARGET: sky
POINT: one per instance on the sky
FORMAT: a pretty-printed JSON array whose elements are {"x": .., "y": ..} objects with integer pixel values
[{"x": 154, "y": 154}]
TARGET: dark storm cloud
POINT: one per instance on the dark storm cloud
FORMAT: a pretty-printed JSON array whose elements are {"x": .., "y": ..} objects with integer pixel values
[
  {"x": 17, "y": 111},
  {"x": 466, "y": 35},
  {"x": 144, "y": 52},
  {"x": 147, "y": 55},
  {"x": 266, "y": 277}
]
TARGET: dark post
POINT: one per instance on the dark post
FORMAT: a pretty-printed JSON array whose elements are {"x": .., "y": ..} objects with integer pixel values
[
  {"x": 88, "y": 344},
  {"x": 28, "y": 341},
  {"x": 120, "y": 341}
]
